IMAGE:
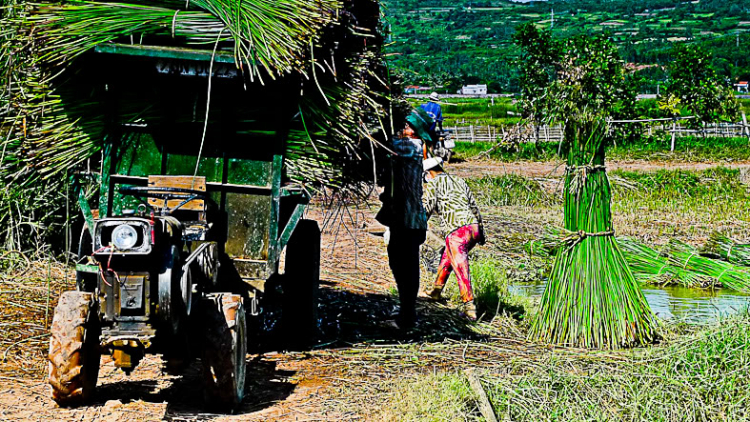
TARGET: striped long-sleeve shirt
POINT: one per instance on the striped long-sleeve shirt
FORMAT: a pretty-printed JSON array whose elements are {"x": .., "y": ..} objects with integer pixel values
[{"x": 450, "y": 198}]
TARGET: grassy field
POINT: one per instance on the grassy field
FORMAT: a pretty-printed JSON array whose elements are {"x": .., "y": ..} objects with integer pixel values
[
  {"x": 698, "y": 374},
  {"x": 695, "y": 373},
  {"x": 503, "y": 111},
  {"x": 687, "y": 149}
]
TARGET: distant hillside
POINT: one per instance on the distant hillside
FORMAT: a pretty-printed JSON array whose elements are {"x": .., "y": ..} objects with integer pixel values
[{"x": 450, "y": 43}]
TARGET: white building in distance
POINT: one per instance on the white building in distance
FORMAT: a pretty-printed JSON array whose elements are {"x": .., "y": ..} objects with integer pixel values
[{"x": 473, "y": 90}]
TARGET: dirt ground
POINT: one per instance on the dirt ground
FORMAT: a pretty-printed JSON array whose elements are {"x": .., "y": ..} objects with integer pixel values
[
  {"x": 553, "y": 168},
  {"x": 298, "y": 386},
  {"x": 354, "y": 349}
]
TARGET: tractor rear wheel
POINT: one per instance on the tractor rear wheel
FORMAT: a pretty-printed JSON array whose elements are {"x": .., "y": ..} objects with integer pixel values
[
  {"x": 300, "y": 285},
  {"x": 224, "y": 350},
  {"x": 74, "y": 349}
]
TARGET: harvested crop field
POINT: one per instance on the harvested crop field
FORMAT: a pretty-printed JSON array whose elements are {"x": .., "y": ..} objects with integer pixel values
[{"x": 362, "y": 371}]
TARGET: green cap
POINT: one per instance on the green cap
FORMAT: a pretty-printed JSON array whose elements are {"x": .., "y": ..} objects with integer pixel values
[{"x": 421, "y": 122}]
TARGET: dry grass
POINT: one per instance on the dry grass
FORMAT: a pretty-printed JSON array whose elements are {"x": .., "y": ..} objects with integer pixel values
[{"x": 28, "y": 295}]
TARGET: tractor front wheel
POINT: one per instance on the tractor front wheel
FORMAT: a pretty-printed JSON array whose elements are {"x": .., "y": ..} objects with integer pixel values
[
  {"x": 74, "y": 349},
  {"x": 224, "y": 350}
]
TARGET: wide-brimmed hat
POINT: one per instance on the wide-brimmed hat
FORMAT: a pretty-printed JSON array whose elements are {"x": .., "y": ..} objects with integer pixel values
[
  {"x": 421, "y": 122},
  {"x": 434, "y": 97},
  {"x": 431, "y": 163}
]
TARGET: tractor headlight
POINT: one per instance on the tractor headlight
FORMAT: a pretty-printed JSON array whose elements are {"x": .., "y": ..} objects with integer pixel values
[{"x": 124, "y": 237}]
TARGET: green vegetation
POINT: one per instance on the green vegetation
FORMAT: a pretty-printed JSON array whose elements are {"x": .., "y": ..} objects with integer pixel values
[
  {"x": 728, "y": 249},
  {"x": 509, "y": 189},
  {"x": 692, "y": 202},
  {"x": 453, "y": 43},
  {"x": 700, "y": 375},
  {"x": 650, "y": 206},
  {"x": 591, "y": 298},
  {"x": 476, "y": 111},
  {"x": 489, "y": 283},
  {"x": 654, "y": 148}
]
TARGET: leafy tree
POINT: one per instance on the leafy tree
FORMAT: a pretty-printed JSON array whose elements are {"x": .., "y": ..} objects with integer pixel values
[
  {"x": 539, "y": 54},
  {"x": 695, "y": 83}
]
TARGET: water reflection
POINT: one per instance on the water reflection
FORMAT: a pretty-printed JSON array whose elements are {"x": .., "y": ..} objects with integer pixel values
[{"x": 694, "y": 305}]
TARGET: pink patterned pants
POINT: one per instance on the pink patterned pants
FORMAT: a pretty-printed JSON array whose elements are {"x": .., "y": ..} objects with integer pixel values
[{"x": 456, "y": 258}]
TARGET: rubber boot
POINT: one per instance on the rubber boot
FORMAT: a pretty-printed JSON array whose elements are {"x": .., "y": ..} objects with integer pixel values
[
  {"x": 436, "y": 292},
  {"x": 470, "y": 310}
]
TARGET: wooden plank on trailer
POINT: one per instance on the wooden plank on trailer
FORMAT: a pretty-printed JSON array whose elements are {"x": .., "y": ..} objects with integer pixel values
[{"x": 197, "y": 183}]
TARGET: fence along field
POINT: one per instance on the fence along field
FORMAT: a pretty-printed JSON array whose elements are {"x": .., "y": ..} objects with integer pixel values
[{"x": 520, "y": 133}]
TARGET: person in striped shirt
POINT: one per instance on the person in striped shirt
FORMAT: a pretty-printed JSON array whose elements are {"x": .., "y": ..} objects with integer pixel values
[{"x": 451, "y": 199}]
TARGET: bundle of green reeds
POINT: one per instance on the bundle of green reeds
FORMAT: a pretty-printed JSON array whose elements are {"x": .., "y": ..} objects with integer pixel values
[
  {"x": 592, "y": 298},
  {"x": 335, "y": 46},
  {"x": 650, "y": 266},
  {"x": 647, "y": 264},
  {"x": 264, "y": 34},
  {"x": 689, "y": 258},
  {"x": 728, "y": 249}
]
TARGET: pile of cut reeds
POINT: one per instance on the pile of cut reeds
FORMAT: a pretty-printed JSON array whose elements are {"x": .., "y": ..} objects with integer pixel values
[
  {"x": 647, "y": 264},
  {"x": 334, "y": 45},
  {"x": 652, "y": 267},
  {"x": 728, "y": 249},
  {"x": 689, "y": 258}
]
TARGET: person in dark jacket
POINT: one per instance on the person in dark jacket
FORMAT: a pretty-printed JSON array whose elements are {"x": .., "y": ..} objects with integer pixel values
[{"x": 404, "y": 215}]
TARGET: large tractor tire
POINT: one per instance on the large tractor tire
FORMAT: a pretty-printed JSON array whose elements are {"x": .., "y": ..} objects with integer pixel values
[
  {"x": 74, "y": 349},
  {"x": 224, "y": 351},
  {"x": 300, "y": 285}
]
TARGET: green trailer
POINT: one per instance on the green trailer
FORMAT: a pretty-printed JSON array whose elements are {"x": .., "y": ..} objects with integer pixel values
[{"x": 192, "y": 215}]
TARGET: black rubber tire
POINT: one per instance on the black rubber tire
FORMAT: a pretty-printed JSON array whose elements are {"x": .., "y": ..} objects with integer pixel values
[
  {"x": 300, "y": 286},
  {"x": 85, "y": 282},
  {"x": 74, "y": 353},
  {"x": 224, "y": 351}
]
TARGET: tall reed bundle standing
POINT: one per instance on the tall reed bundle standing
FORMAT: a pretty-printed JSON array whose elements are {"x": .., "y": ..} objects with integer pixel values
[
  {"x": 592, "y": 298},
  {"x": 332, "y": 46}
]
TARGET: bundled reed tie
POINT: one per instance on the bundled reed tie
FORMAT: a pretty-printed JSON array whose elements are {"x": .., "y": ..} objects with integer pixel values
[
  {"x": 580, "y": 174},
  {"x": 573, "y": 238}
]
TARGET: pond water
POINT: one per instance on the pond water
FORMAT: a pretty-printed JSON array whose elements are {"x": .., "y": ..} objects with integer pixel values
[{"x": 693, "y": 305}]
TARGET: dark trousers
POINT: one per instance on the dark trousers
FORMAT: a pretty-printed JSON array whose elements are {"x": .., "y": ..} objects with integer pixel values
[{"x": 403, "y": 257}]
